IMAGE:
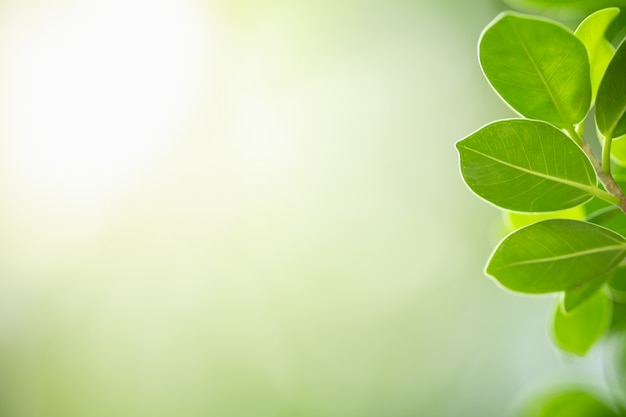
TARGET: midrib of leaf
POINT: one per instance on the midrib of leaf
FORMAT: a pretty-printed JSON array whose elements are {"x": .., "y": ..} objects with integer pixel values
[
  {"x": 621, "y": 247},
  {"x": 580, "y": 186},
  {"x": 540, "y": 74}
]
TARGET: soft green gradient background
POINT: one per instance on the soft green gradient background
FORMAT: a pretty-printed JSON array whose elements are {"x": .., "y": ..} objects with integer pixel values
[{"x": 250, "y": 208}]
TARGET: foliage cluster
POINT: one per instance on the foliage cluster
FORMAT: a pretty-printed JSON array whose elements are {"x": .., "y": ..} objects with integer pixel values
[{"x": 566, "y": 205}]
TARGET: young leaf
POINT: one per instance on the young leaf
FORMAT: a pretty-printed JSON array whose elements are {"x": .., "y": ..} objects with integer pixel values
[
  {"x": 611, "y": 98},
  {"x": 578, "y": 331},
  {"x": 555, "y": 255},
  {"x": 566, "y": 402},
  {"x": 591, "y": 33},
  {"x": 618, "y": 150},
  {"x": 538, "y": 67},
  {"x": 526, "y": 165},
  {"x": 574, "y": 297}
]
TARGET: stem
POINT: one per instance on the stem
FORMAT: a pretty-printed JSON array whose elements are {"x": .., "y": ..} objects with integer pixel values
[
  {"x": 608, "y": 197},
  {"x": 606, "y": 153},
  {"x": 617, "y": 195},
  {"x": 574, "y": 135}
]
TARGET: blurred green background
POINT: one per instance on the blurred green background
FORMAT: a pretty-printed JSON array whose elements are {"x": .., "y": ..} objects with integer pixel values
[{"x": 251, "y": 208}]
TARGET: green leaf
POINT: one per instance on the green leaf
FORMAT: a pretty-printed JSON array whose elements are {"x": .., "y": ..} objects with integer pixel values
[
  {"x": 555, "y": 255},
  {"x": 514, "y": 220},
  {"x": 526, "y": 165},
  {"x": 617, "y": 30},
  {"x": 538, "y": 67},
  {"x": 611, "y": 98},
  {"x": 611, "y": 218},
  {"x": 619, "y": 364},
  {"x": 618, "y": 150},
  {"x": 578, "y": 331},
  {"x": 566, "y": 402},
  {"x": 618, "y": 316},
  {"x": 574, "y": 297},
  {"x": 591, "y": 33},
  {"x": 607, "y": 215},
  {"x": 617, "y": 285}
]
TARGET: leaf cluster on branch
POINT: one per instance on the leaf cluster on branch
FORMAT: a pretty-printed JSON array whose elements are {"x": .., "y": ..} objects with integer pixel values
[{"x": 541, "y": 166}]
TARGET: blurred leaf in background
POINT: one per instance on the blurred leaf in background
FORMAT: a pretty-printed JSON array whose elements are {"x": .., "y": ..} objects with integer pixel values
[{"x": 573, "y": 401}]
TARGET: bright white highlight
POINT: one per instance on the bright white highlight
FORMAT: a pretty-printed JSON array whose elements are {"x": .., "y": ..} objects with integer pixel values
[{"x": 97, "y": 95}]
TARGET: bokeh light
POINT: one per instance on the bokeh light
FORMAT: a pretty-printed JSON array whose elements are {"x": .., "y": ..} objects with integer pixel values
[{"x": 250, "y": 208}]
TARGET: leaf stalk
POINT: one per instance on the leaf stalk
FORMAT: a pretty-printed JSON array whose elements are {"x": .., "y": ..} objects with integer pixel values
[{"x": 611, "y": 186}]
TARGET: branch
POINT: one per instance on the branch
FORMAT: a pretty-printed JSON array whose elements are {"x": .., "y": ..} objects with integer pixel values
[{"x": 606, "y": 178}]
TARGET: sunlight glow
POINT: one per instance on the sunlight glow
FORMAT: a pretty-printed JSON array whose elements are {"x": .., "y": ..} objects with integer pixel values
[{"x": 97, "y": 95}]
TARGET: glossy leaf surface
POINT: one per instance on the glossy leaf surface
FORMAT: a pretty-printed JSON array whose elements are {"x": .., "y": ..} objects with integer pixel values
[
  {"x": 611, "y": 98},
  {"x": 591, "y": 33},
  {"x": 526, "y": 165},
  {"x": 538, "y": 67},
  {"x": 578, "y": 331},
  {"x": 555, "y": 255}
]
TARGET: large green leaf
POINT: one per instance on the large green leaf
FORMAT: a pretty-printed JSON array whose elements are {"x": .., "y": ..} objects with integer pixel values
[
  {"x": 526, "y": 165},
  {"x": 555, "y": 255},
  {"x": 566, "y": 402},
  {"x": 591, "y": 33},
  {"x": 611, "y": 98},
  {"x": 577, "y": 331},
  {"x": 538, "y": 67}
]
